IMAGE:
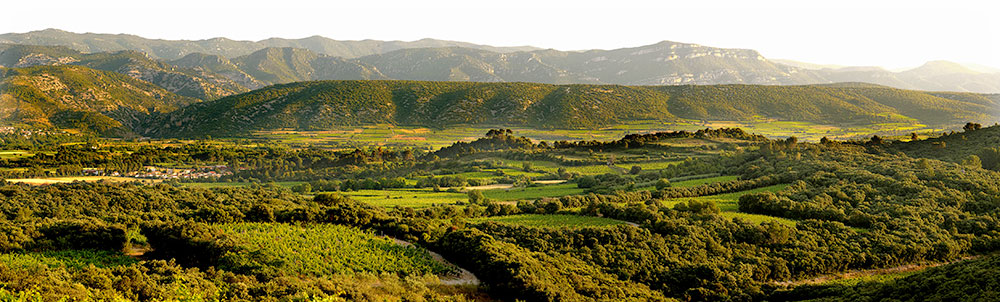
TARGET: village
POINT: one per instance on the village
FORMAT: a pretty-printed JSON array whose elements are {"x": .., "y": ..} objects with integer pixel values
[{"x": 153, "y": 172}]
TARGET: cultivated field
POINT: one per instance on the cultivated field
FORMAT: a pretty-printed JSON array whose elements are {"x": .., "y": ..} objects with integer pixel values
[
  {"x": 427, "y": 138},
  {"x": 326, "y": 249}
]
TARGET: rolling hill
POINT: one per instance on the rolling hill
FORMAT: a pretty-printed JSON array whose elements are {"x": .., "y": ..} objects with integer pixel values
[
  {"x": 322, "y": 105},
  {"x": 191, "y": 82},
  {"x": 933, "y": 76},
  {"x": 957, "y": 147},
  {"x": 77, "y": 97},
  {"x": 286, "y": 65},
  {"x": 218, "y": 65}
]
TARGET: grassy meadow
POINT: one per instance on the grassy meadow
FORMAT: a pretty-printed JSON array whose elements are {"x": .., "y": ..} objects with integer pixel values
[
  {"x": 414, "y": 198},
  {"x": 531, "y": 193}
]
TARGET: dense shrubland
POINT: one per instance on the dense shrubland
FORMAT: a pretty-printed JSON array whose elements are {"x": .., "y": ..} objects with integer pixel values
[
  {"x": 851, "y": 206},
  {"x": 322, "y": 105}
]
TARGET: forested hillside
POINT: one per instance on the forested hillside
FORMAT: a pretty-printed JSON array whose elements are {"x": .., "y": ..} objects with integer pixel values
[
  {"x": 322, "y": 105},
  {"x": 975, "y": 146},
  {"x": 200, "y": 83},
  {"x": 286, "y": 65},
  {"x": 972, "y": 280},
  {"x": 840, "y": 103},
  {"x": 77, "y": 97}
]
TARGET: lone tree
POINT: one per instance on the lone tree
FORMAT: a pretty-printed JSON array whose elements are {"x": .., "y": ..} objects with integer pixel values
[
  {"x": 876, "y": 140},
  {"x": 792, "y": 141},
  {"x": 476, "y": 196},
  {"x": 662, "y": 183},
  {"x": 635, "y": 170}
]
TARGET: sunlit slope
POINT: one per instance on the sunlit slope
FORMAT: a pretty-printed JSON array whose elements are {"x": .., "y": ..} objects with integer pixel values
[
  {"x": 325, "y": 104},
  {"x": 77, "y": 97}
]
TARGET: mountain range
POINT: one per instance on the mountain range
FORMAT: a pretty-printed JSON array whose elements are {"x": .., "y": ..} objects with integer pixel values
[
  {"x": 253, "y": 65},
  {"x": 110, "y": 85},
  {"x": 81, "y": 98},
  {"x": 176, "y": 49}
]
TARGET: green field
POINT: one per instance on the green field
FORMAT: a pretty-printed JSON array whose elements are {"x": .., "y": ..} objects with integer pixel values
[
  {"x": 516, "y": 172},
  {"x": 728, "y": 203},
  {"x": 426, "y": 138},
  {"x": 655, "y": 165},
  {"x": 12, "y": 154},
  {"x": 389, "y": 135},
  {"x": 414, "y": 198},
  {"x": 326, "y": 249},
  {"x": 286, "y": 184},
  {"x": 529, "y": 193},
  {"x": 703, "y": 181},
  {"x": 694, "y": 182},
  {"x": 872, "y": 278},
  {"x": 757, "y": 218},
  {"x": 15, "y": 154},
  {"x": 552, "y": 221},
  {"x": 592, "y": 170},
  {"x": 485, "y": 174},
  {"x": 65, "y": 258}
]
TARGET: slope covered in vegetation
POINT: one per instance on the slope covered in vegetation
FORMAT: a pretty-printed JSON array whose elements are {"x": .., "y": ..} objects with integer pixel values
[
  {"x": 717, "y": 222},
  {"x": 77, "y": 97},
  {"x": 195, "y": 82},
  {"x": 321, "y": 105},
  {"x": 972, "y": 280},
  {"x": 975, "y": 147}
]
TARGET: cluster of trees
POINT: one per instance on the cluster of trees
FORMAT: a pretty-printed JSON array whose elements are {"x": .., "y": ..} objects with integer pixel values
[
  {"x": 357, "y": 184},
  {"x": 970, "y": 280},
  {"x": 262, "y": 163},
  {"x": 974, "y": 144},
  {"x": 23, "y": 139},
  {"x": 496, "y": 139},
  {"x": 851, "y": 206},
  {"x": 640, "y": 140}
]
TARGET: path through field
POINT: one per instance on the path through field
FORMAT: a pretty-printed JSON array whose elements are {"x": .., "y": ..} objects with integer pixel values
[{"x": 465, "y": 277}]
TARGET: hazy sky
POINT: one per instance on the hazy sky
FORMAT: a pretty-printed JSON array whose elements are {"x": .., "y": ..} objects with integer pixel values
[{"x": 893, "y": 33}]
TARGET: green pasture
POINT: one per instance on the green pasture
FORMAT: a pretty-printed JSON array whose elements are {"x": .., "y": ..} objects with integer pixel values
[
  {"x": 530, "y": 193},
  {"x": 414, "y": 198}
]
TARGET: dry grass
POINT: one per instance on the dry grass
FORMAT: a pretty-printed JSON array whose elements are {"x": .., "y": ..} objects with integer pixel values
[{"x": 55, "y": 180}]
